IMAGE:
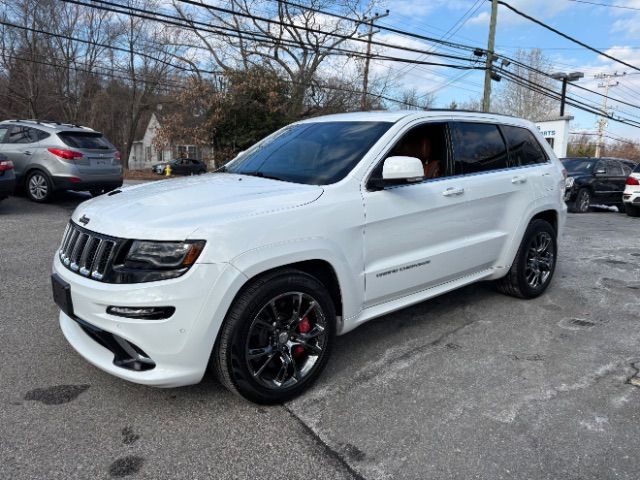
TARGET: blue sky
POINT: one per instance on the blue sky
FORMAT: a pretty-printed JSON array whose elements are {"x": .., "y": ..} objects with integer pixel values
[{"x": 614, "y": 30}]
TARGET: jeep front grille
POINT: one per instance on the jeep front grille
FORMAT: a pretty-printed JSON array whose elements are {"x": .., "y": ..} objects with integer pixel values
[{"x": 87, "y": 253}]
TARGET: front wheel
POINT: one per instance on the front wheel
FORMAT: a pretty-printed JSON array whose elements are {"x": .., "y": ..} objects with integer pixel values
[
  {"x": 276, "y": 338},
  {"x": 535, "y": 262}
]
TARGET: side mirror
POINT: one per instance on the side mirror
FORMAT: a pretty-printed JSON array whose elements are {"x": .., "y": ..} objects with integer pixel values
[{"x": 402, "y": 169}]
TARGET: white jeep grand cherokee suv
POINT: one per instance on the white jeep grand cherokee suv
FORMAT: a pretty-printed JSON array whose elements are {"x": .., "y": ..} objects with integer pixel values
[{"x": 323, "y": 225}]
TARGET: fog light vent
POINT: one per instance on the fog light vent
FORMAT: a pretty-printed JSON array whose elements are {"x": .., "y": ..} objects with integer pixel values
[{"x": 142, "y": 313}]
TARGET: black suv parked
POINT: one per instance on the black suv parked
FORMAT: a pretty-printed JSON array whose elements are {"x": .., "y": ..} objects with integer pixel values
[
  {"x": 182, "y": 166},
  {"x": 598, "y": 181}
]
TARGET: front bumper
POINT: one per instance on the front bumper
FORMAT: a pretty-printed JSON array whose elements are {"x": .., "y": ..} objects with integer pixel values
[{"x": 179, "y": 346}]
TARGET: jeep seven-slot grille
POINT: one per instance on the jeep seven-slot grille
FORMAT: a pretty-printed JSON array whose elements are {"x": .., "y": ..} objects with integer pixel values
[{"x": 87, "y": 253}]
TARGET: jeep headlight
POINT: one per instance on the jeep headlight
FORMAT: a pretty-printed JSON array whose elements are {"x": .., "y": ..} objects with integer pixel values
[{"x": 148, "y": 261}]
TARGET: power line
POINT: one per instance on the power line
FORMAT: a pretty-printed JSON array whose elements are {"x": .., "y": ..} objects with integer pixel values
[
  {"x": 568, "y": 37},
  {"x": 303, "y": 27},
  {"x": 90, "y": 42},
  {"x": 180, "y": 22},
  {"x": 522, "y": 81},
  {"x": 382, "y": 25},
  {"x": 612, "y": 5}
]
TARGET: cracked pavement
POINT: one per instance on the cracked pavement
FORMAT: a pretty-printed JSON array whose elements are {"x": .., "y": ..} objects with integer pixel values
[{"x": 471, "y": 384}]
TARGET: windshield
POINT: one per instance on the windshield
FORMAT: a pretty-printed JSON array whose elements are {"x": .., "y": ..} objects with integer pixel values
[
  {"x": 579, "y": 166},
  {"x": 312, "y": 153}
]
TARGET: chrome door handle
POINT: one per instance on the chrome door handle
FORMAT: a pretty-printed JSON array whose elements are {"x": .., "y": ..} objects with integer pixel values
[
  {"x": 518, "y": 179},
  {"x": 27, "y": 152},
  {"x": 453, "y": 191}
]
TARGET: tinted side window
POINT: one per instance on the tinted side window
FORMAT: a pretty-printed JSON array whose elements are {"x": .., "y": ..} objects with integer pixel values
[
  {"x": 3, "y": 134},
  {"x": 524, "y": 149},
  {"x": 626, "y": 169},
  {"x": 19, "y": 134},
  {"x": 478, "y": 147},
  {"x": 614, "y": 168},
  {"x": 40, "y": 135}
]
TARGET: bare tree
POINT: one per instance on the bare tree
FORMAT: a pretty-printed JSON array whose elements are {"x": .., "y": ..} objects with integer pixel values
[
  {"x": 147, "y": 63},
  {"x": 294, "y": 42},
  {"x": 522, "y": 100},
  {"x": 412, "y": 100}
]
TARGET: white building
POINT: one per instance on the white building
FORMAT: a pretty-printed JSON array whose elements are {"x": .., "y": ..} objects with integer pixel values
[
  {"x": 556, "y": 132},
  {"x": 144, "y": 153}
]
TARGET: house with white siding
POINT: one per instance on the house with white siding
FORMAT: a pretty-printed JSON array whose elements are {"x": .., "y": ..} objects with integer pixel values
[{"x": 144, "y": 153}]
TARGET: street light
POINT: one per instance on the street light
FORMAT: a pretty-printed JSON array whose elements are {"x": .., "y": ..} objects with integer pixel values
[{"x": 566, "y": 77}]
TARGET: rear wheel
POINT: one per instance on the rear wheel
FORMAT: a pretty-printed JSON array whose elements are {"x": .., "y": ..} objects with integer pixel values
[
  {"x": 632, "y": 210},
  {"x": 276, "y": 338},
  {"x": 39, "y": 187},
  {"x": 535, "y": 262},
  {"x": 582, "y": 203}
]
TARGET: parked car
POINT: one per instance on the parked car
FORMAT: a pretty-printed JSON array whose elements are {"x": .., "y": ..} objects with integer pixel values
[
  {"x": 592, "y": 181},
  {"x": 631, "y": 195},
  {"x": 7, "y": 177},
  {"x": 50, "y": 156},
  {"x": 318, "y": 228},
  {"x": 181, "y": 166}
]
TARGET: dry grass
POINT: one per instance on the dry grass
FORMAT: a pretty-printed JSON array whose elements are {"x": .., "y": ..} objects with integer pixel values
[{"x": 141, "y": 175}]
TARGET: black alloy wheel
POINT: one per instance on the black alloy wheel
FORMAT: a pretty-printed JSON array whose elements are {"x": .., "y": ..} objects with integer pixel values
[{"x": 276, "y": 338}]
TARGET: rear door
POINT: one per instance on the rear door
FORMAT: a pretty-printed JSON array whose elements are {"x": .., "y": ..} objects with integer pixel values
[
  {"x": 534, "y": 167},
  {"x": 616, "y": 173},
  {"x": 604, "y": 182},
  {"x": 497, "y": 189}
]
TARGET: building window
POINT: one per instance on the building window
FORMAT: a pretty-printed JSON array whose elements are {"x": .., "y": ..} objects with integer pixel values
[
  {"x": 147, "y": 154},
  {"x": 159, "y": 155},
  {"x": 187, "y": 151}
]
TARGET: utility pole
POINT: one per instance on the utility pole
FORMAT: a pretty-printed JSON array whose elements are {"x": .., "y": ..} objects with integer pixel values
[
  {"x": 607, "y": 82},
  {"x": 364, "y": 102},
  {"x": 486, "y": 98}
]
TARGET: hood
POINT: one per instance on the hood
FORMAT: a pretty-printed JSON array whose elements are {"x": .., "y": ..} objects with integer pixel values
[{"x": 173, "y": 209}]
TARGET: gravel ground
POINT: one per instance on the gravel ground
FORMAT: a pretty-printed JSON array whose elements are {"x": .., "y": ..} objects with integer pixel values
[{"x": 472, "y": 384}]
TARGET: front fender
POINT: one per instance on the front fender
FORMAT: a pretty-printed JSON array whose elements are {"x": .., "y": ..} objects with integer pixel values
[{"x": 348, "y": 272}]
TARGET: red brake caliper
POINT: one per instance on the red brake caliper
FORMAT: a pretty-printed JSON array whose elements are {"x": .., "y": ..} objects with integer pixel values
[{"x": 303, "y": 327}]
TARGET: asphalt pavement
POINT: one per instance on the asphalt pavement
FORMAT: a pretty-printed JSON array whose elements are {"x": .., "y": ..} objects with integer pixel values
[{"x": 472, "y": 384}]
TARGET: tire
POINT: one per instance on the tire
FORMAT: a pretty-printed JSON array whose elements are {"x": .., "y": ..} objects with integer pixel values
[
  {"x": 38, "y": 186},
  {"x": 269, "y": 376},
  {"x": 582, "y": 202},
  {"x": 518, "y": 282},
  {"x": 632, "y": 210}
]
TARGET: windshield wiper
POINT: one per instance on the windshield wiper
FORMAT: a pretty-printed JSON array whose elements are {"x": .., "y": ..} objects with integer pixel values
[{"x": 262, "y": 175}]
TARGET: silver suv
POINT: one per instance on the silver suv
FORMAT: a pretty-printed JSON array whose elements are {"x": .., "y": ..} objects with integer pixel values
[{"x": 50, "y": 156}]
